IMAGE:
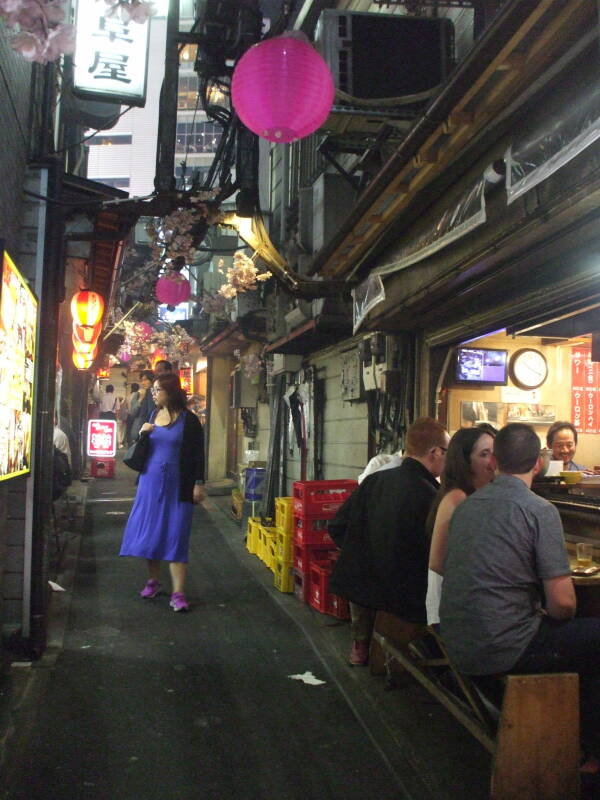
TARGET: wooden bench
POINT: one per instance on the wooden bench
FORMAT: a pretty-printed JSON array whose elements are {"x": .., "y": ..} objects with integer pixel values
[{"x": 533, "y": 733}]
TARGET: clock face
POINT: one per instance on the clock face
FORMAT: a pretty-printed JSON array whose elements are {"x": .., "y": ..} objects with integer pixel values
[{"x": 528, "y": 368}]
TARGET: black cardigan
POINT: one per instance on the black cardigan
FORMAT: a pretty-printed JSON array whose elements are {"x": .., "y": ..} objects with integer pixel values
[{"x": 191, "y": 457}]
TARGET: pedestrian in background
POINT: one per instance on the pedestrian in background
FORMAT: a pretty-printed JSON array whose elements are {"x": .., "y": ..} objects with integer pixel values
[
  {"x": 158, "y": 528},
  {"x": 162, "y": 367},
  {"x": 134, "y": 401},
  {"x": 108, "y": 403},
  {"x": 146, "y": 403}
]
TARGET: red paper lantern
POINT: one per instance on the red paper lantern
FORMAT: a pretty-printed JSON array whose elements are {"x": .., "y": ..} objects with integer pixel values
[
  {"x": 87, "y": 308},
  {"x": 282, "y": 89},
  {"x": 86, "y": 348},
  {"x": 87, "y": 333},
  {"x": 173, "y": 288},
  {"x": 82, "y": 361}
]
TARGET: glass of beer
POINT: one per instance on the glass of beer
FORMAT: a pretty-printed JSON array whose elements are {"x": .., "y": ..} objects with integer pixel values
[{"x": 584, "y": 554}]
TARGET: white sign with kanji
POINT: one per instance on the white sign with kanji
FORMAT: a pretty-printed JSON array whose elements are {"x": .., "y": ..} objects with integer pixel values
[
  {"x": 102, "y": 438},
  {"x": 111, "y": 56}
]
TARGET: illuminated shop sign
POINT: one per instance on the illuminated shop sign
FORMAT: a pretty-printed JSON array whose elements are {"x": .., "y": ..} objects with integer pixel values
[
  {"x": 18, "y": 324},
  {"x": 102, "y": 438},
  {"x": 185, "y": 376},
  {"x": 111, "y": 56}
]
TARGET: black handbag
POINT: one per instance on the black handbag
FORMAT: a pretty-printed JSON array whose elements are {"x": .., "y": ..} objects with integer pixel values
[{"x": 137, "y": 454}]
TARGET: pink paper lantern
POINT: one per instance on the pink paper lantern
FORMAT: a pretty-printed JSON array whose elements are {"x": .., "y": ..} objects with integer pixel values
[
  {"x": 282, "y": 89},
  {"x": 173, "y": 288},
  {"x": 143, "y": 330}
]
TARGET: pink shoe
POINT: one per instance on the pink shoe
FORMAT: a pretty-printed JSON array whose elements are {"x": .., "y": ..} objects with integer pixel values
[
  {"x": 178, "y": 602},
  {"x": 151, "y": 589},
  {"x": 359, "y": 655}
]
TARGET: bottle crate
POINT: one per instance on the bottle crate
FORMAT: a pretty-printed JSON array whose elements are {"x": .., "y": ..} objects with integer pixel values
[
  {"x": 252, "y": 535},
  {"x": 305, "y": 554},
  {"x": 321, "y": 497},
  {"x": 283, "y": 576},
  {"x": 285, "y": 545},
  {"x": 284, "y": 514},
  {"x": 301, "y": 585},
  {"x": 319, "y": 596},
  {"x": 312, "y": 530}
]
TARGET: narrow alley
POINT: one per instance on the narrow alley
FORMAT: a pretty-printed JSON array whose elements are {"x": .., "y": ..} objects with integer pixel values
[{"x": 142, "y": 703}]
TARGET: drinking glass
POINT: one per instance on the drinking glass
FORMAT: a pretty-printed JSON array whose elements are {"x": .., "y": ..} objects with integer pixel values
[{"x": 584, "y": 554}]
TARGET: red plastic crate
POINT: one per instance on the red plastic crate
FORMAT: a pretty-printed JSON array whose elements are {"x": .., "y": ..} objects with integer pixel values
[
  {"x": 319, "y": 595},
  {"x": 304, "y": 554},
  {"x": 301, "y": 585},
  {"x": 102, "y": 468},
  {"x": 312, "y": 530},
  {"x": 321, "y": 497}
]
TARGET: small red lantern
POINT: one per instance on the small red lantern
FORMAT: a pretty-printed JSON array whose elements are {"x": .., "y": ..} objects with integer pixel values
[
  {"x": 282, "y": 89},
  {"x": 173, "y": 288},
  {"x": 87, "y": 308},
  {"x": 87, "y": 334}
]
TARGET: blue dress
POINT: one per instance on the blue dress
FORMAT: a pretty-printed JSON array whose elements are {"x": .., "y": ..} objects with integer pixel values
[{"x": 159, "y": 524}]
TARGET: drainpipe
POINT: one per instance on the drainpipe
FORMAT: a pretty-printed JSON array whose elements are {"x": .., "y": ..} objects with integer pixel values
[
  {"x": 285, "y": 188},
  {"x": 49, "y": 294}
]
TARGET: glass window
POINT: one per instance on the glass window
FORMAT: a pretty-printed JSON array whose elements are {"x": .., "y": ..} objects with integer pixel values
[
  {"x": 117, "y": 183},
  {"x": 187, "y": 92},
  {"x": 198, "y": 137}
]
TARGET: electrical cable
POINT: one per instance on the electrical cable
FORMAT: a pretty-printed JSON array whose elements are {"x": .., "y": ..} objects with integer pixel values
[{"x": 107, "y": 125}]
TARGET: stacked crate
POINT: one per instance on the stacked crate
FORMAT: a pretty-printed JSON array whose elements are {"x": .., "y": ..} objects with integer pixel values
[
  {"x": 284, "y": 536},
  {"x": 314, "y": 504}
]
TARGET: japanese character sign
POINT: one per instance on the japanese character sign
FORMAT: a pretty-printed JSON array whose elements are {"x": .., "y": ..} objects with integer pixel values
[
  {"x": 111, "y": 56},
  {"x": 585, "y": 386}
]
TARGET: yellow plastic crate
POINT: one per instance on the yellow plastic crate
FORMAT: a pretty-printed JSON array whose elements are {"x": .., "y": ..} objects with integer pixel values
[
  {"x": 283, "y": 576},
  {"x": 285, "y": 545},
  {"x": 269, "y": 546},
  {"x": 284, "y": 514},
  {"x": 252, "y": 535}
]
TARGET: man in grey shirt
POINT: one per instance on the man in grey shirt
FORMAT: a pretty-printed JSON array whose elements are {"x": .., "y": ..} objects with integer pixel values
[{"x": 508, "y": 600}]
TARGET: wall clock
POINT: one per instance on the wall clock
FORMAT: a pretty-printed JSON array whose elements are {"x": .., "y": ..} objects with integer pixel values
[{"x": 528, "y": 368}]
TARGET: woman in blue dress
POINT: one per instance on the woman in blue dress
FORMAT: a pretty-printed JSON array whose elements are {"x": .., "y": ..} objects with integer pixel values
[{"x": 158, "y": 528}]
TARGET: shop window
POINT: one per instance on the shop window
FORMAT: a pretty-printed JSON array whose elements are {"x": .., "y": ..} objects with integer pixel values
[{"x": 187, "y": 92}]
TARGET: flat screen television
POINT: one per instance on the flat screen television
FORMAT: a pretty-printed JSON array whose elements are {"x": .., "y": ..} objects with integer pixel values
[{"x": 481, "y": 366}]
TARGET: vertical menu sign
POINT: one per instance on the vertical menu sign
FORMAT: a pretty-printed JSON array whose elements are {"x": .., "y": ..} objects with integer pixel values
[
  {"x": 185, "y": 377},
  {"x": 585, "y": 385}
]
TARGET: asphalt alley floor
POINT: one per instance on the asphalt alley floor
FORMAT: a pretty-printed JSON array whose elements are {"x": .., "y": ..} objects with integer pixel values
[{"x": 135, "y": 702}]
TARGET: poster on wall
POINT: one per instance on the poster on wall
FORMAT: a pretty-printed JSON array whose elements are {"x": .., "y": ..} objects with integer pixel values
[
  {"x": 585, "y": 385},
  {"x": 18, "y": 324}
]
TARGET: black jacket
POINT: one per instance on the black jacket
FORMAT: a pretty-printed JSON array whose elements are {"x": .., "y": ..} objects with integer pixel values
[
  {"x": 191, "y": 456},
  {"x": 384, "y": 545}
]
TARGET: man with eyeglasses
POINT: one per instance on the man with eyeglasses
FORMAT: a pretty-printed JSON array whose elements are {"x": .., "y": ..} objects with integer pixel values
[{"x": 382, "y": 535}]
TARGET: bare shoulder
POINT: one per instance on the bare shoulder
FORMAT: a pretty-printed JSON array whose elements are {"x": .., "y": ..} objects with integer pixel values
[{"x": 453, "y": 499}]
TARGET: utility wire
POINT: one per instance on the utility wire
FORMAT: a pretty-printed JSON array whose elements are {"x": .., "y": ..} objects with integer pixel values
[{"x": 89, "y": 136}]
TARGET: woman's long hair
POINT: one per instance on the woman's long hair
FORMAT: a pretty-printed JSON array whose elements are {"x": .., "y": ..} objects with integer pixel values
[
  {"x": 176, "y": 397},
  {"x": 457, "y": 473}
]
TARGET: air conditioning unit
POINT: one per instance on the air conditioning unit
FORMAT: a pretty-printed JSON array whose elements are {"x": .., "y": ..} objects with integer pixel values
[
  {"x": 333, "y": 198},
  {"x": 385, "y": 55}
]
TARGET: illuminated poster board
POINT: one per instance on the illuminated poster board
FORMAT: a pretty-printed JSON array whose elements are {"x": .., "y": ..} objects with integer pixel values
[
  {"x": 18, "y": 324},
  {"x": 185, "y": 377},
  {"x": 102, "y": 438}
]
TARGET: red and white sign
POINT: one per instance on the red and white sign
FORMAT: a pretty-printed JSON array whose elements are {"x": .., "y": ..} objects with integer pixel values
[
  {"x": 102, "y": 438},
  {"x": 585, "y": 390}
]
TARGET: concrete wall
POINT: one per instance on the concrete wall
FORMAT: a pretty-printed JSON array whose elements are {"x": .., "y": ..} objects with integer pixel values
[
  {"x": 345, "y": 425},
  {"x": 218, "y": 390}
]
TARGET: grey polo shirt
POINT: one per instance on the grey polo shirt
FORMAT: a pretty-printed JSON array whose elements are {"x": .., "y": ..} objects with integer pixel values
[{"x": 503, "y": 542}]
